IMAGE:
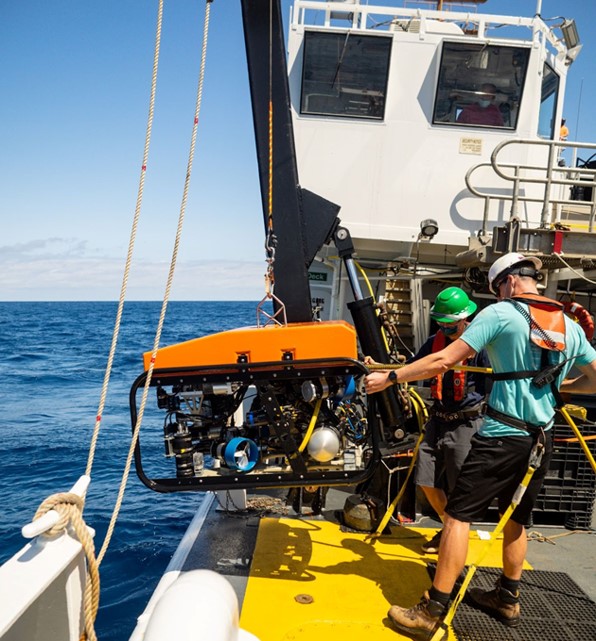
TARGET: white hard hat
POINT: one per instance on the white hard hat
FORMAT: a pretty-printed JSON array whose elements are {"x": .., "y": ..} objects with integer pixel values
[{"x": 506, "y": 264}]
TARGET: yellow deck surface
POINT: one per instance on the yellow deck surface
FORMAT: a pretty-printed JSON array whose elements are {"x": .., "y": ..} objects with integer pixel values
[{"x": 350, "y": 581}]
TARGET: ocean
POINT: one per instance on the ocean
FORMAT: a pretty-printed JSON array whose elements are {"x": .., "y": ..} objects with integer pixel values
[{"x": 53, "y": 357}]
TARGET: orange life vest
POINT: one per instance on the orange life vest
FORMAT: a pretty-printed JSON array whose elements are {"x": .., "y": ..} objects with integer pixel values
[{"x": 459, "y": 377}]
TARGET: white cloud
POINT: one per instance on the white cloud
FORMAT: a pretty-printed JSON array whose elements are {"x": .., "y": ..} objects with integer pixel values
[{"x": 57, "y": 269}]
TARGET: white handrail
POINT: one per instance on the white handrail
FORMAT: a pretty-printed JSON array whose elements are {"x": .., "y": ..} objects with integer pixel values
[
  {"x": 548, "y": 174},
  {"x": 49, "y": 519}
]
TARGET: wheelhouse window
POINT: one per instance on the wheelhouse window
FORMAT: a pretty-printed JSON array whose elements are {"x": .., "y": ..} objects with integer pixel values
[
  {"x": 548, "y": 104},
  {"x": 345, "y": 74},
  {"x": 480, "y": 85}
]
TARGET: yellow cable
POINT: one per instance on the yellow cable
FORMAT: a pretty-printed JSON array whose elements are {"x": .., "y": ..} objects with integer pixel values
[
  {"x": 580, "y": 438},
  {"x": 402, "y": 490},
  {"x": 414, "y": 394},
  {"x": 372, "y": 294},
  {"x": 311, "y": 425},
  {"x": 366, "y": 280}
]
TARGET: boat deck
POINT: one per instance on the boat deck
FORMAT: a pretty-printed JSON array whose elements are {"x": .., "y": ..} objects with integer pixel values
[{"x": 322, "y": 580}]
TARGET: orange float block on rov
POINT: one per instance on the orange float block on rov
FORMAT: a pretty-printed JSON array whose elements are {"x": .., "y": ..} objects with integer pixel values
[{"x": 302, "y": 341}]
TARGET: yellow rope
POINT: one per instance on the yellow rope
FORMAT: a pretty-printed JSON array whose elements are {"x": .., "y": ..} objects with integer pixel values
[
  {"x": 415, "y": 396},
  {"x": 70, "y": 508},
  {"x": 487, "y": 370},
  {"x": 270, "y": 190}
]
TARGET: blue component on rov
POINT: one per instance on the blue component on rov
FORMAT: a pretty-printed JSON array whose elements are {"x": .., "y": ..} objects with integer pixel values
[{"x": 241, "y": 454}]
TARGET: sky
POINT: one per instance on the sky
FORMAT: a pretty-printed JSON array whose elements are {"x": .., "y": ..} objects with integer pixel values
[{"x": 76, "y": 80}]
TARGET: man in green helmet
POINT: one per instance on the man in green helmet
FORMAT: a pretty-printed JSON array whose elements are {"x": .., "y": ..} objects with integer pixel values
[{"x": 457, "y": 404}]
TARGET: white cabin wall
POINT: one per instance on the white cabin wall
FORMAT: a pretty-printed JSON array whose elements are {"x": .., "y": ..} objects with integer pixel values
[{"x": 389, "y": 175}]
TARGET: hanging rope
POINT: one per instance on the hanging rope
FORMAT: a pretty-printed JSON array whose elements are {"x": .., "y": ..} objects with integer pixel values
[
  {"x": 69, "y": 505},
  {"x": 133, "y": 235},
  {"x": 270, "y": 238},
  {"x": 270, "y": 241},
  {"x": 170, "y": 279},
  {"x": 70, "y": 508}
]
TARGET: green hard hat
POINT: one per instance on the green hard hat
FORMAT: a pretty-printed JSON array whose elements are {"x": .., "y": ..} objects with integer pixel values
[{"x": 452, "y": 305}]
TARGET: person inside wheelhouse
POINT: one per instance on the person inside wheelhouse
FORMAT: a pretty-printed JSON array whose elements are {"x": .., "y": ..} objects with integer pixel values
[
  {"x": 484, "y": 111},
  {"x": 480, "y": 85}
]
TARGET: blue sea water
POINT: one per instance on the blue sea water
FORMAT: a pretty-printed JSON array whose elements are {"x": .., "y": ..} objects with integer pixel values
[{"x": 52, "y": 361}]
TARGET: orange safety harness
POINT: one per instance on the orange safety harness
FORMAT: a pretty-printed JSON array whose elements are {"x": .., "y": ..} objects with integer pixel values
[
  {"x": 547, "y": 322},
  {"x": 459, "y": 376}
]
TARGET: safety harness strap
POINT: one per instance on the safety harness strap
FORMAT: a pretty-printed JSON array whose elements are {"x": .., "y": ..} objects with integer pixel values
[
  {"x": 512, "y": 421},
  {"x": 510, "y": 376}
]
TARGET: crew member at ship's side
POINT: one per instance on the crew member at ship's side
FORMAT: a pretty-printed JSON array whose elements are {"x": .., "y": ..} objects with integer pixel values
[
  {"x": 519, "y": 416},
  {"x": 456, "y": 411},
  {"x": 484, "y": 111}
]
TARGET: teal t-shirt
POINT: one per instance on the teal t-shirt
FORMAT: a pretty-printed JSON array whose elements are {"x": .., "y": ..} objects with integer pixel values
[{"x": 504, "y": 333}]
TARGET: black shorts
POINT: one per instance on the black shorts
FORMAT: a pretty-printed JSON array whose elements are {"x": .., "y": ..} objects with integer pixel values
[
  {"x": 443, "y": 452},
  {"x": 494, "y": 469}
]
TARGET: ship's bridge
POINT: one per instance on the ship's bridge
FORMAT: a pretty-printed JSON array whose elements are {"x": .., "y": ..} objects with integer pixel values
[{"x": 392, "y": 107}]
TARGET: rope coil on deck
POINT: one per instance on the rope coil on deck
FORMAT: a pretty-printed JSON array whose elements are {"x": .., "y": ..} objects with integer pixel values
[{"x": 70, "y": 508}]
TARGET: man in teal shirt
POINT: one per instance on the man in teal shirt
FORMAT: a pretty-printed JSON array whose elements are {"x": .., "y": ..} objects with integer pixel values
[{"x": 520, "y": 414}]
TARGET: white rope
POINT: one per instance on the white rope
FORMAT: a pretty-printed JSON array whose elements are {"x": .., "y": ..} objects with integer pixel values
[
  {"x": 133, "y": 234},
  {"x": 68, "y": 504},
  {"x": 574, "y": 270},
  {"x": 164, "y": 307}
]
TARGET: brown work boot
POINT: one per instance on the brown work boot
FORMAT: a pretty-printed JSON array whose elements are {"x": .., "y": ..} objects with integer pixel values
[
  {"x": 420, "y": 621},
  {"x": 499, "y": 603}
]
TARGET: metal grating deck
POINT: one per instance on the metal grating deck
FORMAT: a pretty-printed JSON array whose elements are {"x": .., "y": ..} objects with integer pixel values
[{"x": 553, "y": 608}]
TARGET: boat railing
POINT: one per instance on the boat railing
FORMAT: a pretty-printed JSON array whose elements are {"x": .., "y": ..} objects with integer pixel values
[
  {"x": 561, "y": 189},
  {"x": 368, "y": 16}
]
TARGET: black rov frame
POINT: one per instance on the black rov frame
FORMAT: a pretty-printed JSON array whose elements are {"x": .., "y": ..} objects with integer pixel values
[{"x": 284, "y": 394}]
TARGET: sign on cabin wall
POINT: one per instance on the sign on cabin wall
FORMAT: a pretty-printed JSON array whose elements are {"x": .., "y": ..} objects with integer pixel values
[{"x": 470, "y": 146}]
